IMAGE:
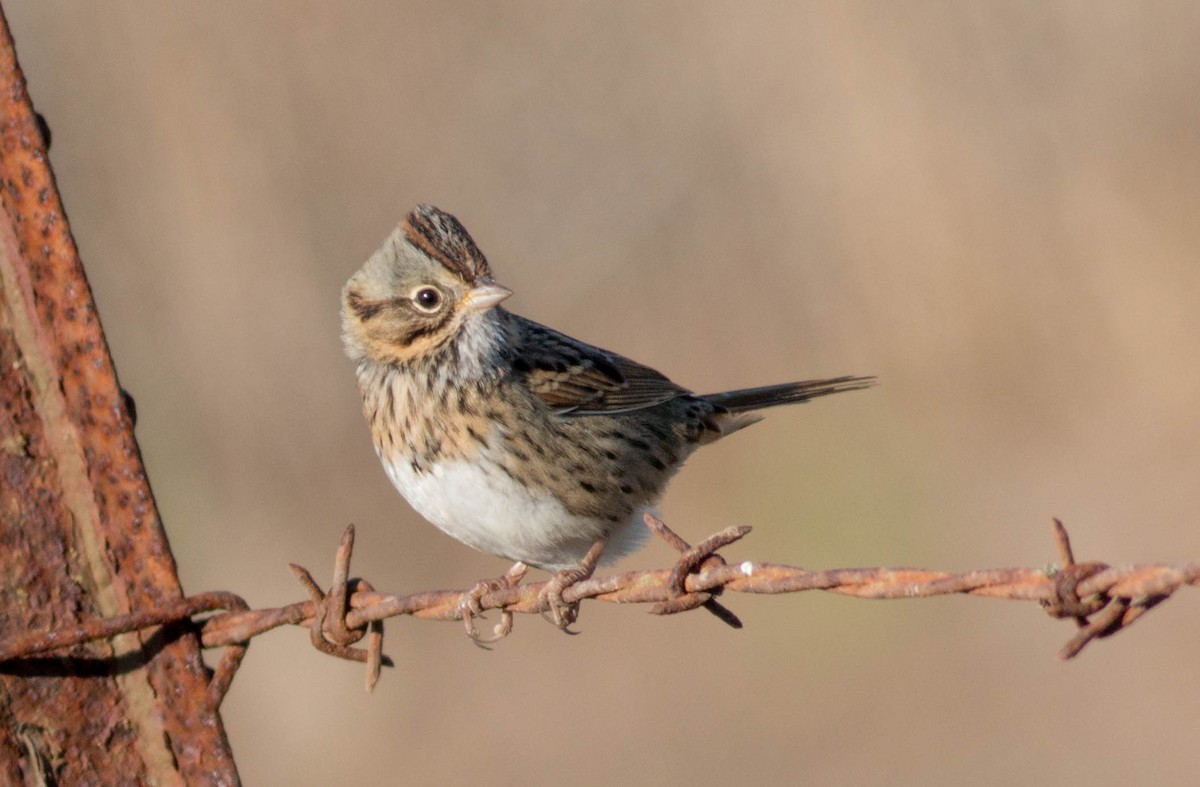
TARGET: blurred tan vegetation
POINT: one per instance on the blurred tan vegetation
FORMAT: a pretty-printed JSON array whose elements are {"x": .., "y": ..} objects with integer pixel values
[{"x": 992, "y": 206}]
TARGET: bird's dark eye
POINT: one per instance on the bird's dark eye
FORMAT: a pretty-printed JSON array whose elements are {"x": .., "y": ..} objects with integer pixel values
[{"x": 428, "y": 299}]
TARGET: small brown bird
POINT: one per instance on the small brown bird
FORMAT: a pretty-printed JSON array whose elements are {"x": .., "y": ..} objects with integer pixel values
[{"x": 513, "y": 438}]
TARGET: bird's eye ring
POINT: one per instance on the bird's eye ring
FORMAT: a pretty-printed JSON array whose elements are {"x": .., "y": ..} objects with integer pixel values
[{"x": 427, "y": 299}]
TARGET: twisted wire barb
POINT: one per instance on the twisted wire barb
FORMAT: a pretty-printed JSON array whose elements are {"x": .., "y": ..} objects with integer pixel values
[{"x": 1101, "y": 599}]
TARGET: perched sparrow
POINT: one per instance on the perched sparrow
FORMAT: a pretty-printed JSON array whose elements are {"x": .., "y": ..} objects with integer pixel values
[{"x": 515, "y": 439}]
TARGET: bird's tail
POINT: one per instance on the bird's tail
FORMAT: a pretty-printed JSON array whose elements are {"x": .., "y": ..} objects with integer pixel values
[
  {"x": 743, "y": 405},
  {"x": 786, "y": 393}
]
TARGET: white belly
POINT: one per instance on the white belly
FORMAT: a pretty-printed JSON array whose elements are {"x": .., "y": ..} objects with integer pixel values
[{"x": 481, "y": 506}]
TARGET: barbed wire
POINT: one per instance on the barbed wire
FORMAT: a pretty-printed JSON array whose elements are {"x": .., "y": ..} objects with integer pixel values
[{"x": 1102, "y": 599}]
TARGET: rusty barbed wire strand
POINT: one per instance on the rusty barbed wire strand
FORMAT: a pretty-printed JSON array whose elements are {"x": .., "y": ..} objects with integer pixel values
[{"x": 1102, "y": 599}]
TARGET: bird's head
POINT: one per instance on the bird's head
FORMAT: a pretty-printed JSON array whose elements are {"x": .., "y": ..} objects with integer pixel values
[{"x": 417, "y": 291}]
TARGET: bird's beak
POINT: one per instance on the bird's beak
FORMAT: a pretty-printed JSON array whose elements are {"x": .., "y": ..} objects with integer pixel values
[{"x": 484, "y": 296}]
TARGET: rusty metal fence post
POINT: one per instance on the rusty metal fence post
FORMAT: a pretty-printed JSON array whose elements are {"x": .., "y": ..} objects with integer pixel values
[{"x": 80, "y": 535}]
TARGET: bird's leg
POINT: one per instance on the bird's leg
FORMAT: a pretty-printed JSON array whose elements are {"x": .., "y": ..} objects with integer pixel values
[
  {"x": 563, "y": 614},
  {"x": 469, "y": 606}
]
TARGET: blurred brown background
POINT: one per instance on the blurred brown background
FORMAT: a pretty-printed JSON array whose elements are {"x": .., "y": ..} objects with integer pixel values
[{"x": 993, "y": 206}]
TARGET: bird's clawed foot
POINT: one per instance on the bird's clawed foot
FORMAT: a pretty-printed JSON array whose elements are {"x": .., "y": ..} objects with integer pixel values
[
  {"x": 469, "y": 606},
  {"x": 555, "y": 608}
]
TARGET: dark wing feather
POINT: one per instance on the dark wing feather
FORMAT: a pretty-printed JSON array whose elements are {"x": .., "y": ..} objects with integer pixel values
[{"x": 577, "y": 378}]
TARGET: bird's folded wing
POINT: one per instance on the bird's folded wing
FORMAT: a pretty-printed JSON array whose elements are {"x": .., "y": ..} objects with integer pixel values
[{"x": 577, "y": 379}]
